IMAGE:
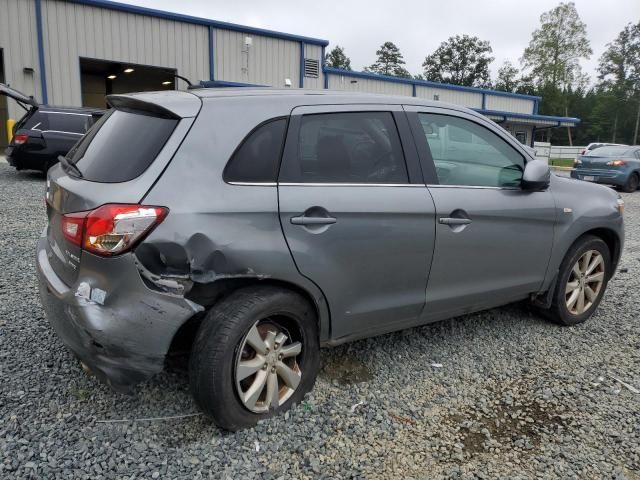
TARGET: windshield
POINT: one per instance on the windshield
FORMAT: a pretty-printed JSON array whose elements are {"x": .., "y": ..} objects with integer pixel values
[
  {"x": 610, "y": 152},
  {"x": 121, "y": 146}
]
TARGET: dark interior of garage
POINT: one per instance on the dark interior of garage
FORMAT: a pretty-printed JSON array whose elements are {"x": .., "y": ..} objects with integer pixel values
[{"x": 100, "y": 78}]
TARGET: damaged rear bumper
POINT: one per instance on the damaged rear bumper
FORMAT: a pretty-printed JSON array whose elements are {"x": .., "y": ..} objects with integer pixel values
[{"x": 123, "y": 332}]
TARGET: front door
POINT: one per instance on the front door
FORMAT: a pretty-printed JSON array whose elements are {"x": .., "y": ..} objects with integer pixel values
[
  {"x": 493, "y": 239},
  {"x": 356, "y": 214}
]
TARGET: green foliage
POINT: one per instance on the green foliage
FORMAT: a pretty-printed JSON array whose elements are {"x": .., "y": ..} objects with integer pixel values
[
  {"x": 555, "y": 49},
  {"x": 461, "y": 60},
  {"x": 619, "y": 74},
  {"x": 507, "y": 80},
  {"x": 336, "y": 58},
  {"x": 389, "y": 62}
]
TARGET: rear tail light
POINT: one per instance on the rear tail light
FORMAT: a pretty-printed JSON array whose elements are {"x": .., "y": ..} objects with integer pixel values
[
  {"x": 20, "y": 139},
  {"x": 616, "y": 163},
  {"x": 111, "y": 229}
]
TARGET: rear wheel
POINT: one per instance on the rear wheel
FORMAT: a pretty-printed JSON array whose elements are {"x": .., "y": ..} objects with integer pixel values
[
  {"x": 255, "y": 355},
  {"x": 632, "y": 183},
  {"x": 582, "y": 280}
]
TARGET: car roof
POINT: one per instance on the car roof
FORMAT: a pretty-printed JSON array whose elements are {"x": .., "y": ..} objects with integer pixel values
[{"x": 328, "y": 95}]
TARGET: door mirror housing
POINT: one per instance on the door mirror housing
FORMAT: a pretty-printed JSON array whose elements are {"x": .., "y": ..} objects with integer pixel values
[{"x": 537, "y": 175}]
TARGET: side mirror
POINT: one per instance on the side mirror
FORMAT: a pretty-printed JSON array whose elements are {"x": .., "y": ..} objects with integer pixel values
[{"x": 537, "y": 175}]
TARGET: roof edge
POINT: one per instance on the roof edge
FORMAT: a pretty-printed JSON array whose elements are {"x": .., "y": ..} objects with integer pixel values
[
  {"x": 179, "y": 17},
  {"x": 428, "y": 83},
  {"x": 528, "y": 116}
]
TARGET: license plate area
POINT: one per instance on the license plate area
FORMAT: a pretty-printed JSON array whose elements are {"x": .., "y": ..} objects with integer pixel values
[{"x": 588, "y": 178}]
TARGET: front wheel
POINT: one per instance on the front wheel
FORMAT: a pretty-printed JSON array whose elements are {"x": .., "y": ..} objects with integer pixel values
[
  {"x": 582, "y": 280},
  {"x": 255, "y": 355}
]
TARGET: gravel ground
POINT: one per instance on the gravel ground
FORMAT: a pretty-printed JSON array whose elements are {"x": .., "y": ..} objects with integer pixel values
[{"x": 501, "y": 394}]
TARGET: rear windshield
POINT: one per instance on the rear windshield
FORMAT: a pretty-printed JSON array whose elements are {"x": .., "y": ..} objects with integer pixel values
[
  {"x": 57, "y": 121},
  {"x": 121, "y": 146},
  {"x": 609, "y": 152}
]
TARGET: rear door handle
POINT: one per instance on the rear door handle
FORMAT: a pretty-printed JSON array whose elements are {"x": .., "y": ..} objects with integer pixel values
[
  {"x": 303, "y": 220},
  {"x": 454, "y": 221}
]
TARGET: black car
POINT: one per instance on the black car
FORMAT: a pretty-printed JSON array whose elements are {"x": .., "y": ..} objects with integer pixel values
[{"x": 44, "y": 132}]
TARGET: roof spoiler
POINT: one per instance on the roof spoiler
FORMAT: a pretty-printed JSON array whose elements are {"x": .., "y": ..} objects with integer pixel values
[
  {"x": 165, "y": 104},
  {"x": 139, "y": 106}
]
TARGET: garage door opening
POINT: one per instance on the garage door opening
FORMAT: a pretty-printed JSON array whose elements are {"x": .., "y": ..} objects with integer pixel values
[
  {"x": 4, "y": 114},
  {"x": 99, "y": 78}
]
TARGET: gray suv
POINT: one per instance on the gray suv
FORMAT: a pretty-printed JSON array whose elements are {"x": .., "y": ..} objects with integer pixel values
[{"x": 273, "y": 222}]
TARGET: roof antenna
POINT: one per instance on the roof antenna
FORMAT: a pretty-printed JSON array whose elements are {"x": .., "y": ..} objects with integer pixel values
[{"x": 185, "y": 79}]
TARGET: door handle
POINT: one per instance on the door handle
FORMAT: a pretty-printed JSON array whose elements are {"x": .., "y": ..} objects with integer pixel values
[
  {"x": 304, "y": 220},
  {"x": 454, "y": 221}
]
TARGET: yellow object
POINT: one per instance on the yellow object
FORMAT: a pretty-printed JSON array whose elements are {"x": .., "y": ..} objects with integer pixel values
[{"x": 10, "y": 123}]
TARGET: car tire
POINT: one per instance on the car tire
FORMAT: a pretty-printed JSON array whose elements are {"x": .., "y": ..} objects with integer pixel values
[
  {"x": 632, "y": 183},
  {"x": 226, "y": 348},
  {"x": 576, "y": 280}
]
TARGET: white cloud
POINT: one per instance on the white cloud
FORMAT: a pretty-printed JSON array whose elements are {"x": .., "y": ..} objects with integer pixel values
[{"x": 416, "y": 26}]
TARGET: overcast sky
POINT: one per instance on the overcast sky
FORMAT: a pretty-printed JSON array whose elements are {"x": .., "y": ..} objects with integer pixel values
[{"x": 417, "y": 27}]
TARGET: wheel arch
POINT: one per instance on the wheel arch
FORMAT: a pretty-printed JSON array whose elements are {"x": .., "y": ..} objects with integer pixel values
[{"x": 209, "y": 294}]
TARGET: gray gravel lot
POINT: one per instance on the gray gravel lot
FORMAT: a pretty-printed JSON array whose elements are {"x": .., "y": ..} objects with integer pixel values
[{"x": 514, "y": 397}]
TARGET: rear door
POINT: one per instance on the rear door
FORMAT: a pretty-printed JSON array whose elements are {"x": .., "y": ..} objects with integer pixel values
[
  {"x": 356, "y": 214},
  {"x": 493, "y": 239}
]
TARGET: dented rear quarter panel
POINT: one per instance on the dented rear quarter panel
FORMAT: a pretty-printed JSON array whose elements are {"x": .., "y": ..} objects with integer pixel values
[{"x": 216, "y": 230}]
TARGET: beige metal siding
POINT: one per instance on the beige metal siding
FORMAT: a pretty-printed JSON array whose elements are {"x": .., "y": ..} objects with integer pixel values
[
  {"x": 314, "y": 52},
  {"x": 343, "y": 82},
  {"x": 458, "y": 97},
  {"x": 19, "y": 44},
  {"x": 267, "y": 61},
  {"x": 72, "y": 31},
  {"x": 509, "y": 104}
]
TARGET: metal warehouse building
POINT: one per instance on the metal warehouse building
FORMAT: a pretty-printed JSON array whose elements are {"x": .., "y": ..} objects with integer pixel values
[{"x": 74, "y": 52}]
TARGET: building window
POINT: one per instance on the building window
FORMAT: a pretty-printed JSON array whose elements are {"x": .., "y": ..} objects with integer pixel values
[{"x": 521, "y": 136}]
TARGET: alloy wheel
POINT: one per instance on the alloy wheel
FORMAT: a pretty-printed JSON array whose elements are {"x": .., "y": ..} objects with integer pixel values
[
  {"x": 585, "y": 282},
  {"x": 267, "y": 372}
]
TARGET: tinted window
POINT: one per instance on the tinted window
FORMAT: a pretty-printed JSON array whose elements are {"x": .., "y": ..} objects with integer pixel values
[
  {"x": 362, "y": 147},
  {"x": 258, "y": 157},
  {"x": 610, "y": 152},
  {"x": 466, "y": 153},
  {"x": 120, "y": 146},
  {"x": 68, "y": 122}
]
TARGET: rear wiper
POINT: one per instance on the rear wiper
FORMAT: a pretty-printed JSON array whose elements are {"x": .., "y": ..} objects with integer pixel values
[{"x": 70, "y": 166}]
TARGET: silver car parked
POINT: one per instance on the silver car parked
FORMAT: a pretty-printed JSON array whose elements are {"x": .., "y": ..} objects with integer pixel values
[{"x": 273, "y": 222}]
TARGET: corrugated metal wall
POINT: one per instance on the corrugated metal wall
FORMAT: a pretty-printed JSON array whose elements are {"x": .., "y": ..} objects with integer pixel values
[
  {"x": 342, "y": 82},
  {"x": 509, "y": 104},
  {"x": 72, "y": 31},
  {"x": 267, "y": 61},
  {"x": 314, "y": 52},
  {"x": 18, "y": 41},
  {"x": 459, "y": 97}
]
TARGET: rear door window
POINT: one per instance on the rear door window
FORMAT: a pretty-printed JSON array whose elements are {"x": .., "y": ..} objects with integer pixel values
[
  {"x": 121, "y": 146},
  {"x": 347, "y": 147}
]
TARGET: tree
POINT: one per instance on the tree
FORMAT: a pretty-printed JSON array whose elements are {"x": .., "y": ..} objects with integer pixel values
[
  {"x": 554, "y": 53},
  {"x": 336, "y": 58},
  {"x": 619, "y": 74},
  {"x": 389, "y": 62},
  {"x": 461, "y": 60},
  {"x": 507, "y": 80}
]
